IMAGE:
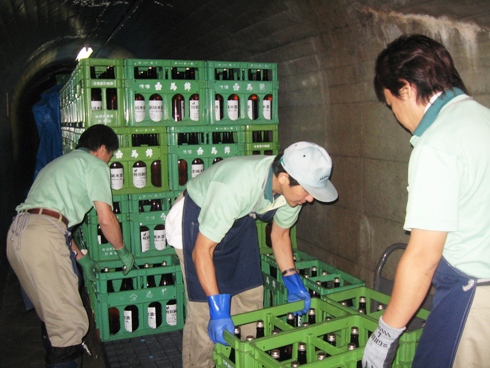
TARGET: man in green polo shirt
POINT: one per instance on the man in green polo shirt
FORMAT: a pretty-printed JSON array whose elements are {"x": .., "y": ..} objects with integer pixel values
[{"x": 215, "y": 226}]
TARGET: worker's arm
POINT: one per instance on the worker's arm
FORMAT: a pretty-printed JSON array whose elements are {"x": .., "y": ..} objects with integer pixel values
[
  {"x": 414, "y": 275},
  {"x": 202, "y": 255},
  {"x": 412, "y": 281},
  {"x": 281, "y": 246},
  {"x": 109, "y": 224}
]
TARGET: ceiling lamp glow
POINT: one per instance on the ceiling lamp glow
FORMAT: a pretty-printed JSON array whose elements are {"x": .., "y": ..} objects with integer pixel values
[{"x": 84, "y": 53}]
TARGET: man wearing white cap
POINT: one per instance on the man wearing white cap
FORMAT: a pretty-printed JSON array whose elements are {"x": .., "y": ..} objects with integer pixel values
[{"x": 213, "y": 231}]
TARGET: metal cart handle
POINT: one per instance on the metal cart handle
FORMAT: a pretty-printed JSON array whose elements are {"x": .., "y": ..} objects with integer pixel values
[{"x": 383, "y": 259}]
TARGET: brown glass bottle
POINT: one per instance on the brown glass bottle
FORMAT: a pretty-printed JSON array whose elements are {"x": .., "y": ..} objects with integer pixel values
[
  {"x": 260, "y": 331},
  {"x": 131, "y": 318},
  {"x": 139, "y": 108},
  {"x": 182, "y": 167},
  {"x": 117, "y": 175},
  {"x": 155, "y": 106},
  {"x": 267, "y": 107},
  {"x": 96, "y": 99},
  {"x": 194, "y": 107},
  {"x": 302, "y": 353},
  {"x": 197, "y": 167},
  {"x": 178, "y": 107},
  {"x": 216, "y": 160},
  {"x": 253, "y": 107},
  {"x": 144, "y": 238},
  {"x": 233, "y": 107},
  {"x": 139, "y": 174},
  {"x": 218, "y": 107},
  {"x": 156, "y": 173},
  {"x": 111, "y": 98},
  {"x": 159, "y": 237}
]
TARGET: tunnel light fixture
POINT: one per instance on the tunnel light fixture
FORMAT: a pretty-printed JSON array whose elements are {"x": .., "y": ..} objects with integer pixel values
[{"x": 84, "y": 53}]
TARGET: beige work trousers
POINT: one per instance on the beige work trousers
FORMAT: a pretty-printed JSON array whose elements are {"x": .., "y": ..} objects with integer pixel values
[
  {"x": 41, "y": 260},
  {"x": 197, "y": 347},
  {"x": 473, "y": 350}
]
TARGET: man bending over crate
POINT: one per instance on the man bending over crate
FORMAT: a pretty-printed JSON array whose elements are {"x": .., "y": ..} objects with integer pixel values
[
  {"x": 42, "y": 253},
  {"x": 213, "y": 230}
]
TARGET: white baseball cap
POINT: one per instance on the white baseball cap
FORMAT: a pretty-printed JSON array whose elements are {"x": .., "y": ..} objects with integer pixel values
[{"x": 311, "y": 166}]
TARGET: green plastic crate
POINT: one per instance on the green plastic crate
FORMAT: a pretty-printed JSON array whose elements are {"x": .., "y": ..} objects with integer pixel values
[
  {"x": 93, "y": 69},
  {"x": 248, "y": 354},
  {"x": 245, "y": 87},
  {"x": 140, "y": 297},
  {"x": 200, "y": 147},
  {"x": 408, "y": 340},
  {"x": 128, "y": 156},
  {"x": 167, "y": 84},
  {"x": 103, "y": 253}
]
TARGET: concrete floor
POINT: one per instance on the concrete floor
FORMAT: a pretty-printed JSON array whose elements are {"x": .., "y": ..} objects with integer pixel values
[{"x": 20, "y": 337}]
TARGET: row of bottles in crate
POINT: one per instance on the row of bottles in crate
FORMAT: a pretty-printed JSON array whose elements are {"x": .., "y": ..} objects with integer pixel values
[
  {"x": 186, "y": 73},
  {"x": 286, "y": 352},
  {"x": 159, "y": 240},
  {"x": 180, "y": 107},
  {"x": 157, "y": 311}
]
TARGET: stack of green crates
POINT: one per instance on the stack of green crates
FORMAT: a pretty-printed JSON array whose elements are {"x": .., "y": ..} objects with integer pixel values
[
  {"x": 169, "y": 116},
  {"x": 153, "y": 303},
  {"x": 332, "y": 317}
]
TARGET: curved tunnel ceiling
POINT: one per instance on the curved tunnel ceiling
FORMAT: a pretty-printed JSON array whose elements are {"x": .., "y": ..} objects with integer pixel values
[{"x": 40, "y": 39}]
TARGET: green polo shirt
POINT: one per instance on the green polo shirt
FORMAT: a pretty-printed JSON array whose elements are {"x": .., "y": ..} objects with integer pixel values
[
  {"x": 234, "y": 188},
  {"x": 70, "y": 185}
]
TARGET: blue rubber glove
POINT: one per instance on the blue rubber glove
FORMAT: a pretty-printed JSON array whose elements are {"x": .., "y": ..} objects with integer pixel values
[
  {"x": 297, "y": 291},
  {"x": 90, "y": 267},
  {"x": 380, "y": 349},
  {"x": 219, "y": 309}
]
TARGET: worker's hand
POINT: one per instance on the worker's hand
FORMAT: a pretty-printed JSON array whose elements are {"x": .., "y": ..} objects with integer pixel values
[
  {"x": 219, "y": 310},
  {"x": 126, "y": 258},
  {"x": 380, "y": 349},
  {"x": 89, "y": 266},
  {"x": 297, "y": 292}
]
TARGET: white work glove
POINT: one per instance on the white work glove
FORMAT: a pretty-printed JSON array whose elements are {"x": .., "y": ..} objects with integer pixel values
[{"x": 381, "y": 348}]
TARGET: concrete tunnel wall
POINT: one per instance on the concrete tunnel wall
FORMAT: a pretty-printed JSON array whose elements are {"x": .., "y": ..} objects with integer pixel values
[{"x": 325, "y": 52}]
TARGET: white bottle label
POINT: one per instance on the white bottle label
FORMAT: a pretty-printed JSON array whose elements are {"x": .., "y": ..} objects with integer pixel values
[
  {"x": 96, "y": 105},
  {"x": 196, "y": 169},
  {"x": 139, "y": 110},
  {"x": 217, "y": 110},
  {"x": 145, "y": 241},
  {"x": 152, "y": 317},
  {"x": 156, "y": 110},
  {"x": 171, "y": 314},
  {"x": 194, "y": 110},
  {"x": 139, "y": 177},
  {"x": 233, "y": 109},
  {"x": 128, "y": 320},
  {"x": 267, "y": 109},
  {"x": 117, "y": 178},
  {"x": 160, "y": 239}
]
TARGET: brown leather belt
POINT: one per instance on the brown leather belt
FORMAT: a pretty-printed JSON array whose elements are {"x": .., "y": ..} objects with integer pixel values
[{"x": 44, "y": 211}]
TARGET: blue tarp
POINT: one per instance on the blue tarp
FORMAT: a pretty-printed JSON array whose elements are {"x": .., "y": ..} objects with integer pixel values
[{"x": 47, "y": 115}]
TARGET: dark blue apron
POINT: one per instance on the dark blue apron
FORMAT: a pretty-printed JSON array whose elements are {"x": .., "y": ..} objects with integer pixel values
[
  {"x": 443, "y": 329},
  {"x": 236, "y": 258}
]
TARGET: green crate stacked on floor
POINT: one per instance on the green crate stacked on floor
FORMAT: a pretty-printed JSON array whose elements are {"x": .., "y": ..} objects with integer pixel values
[
  {"x": 372, "y": 303},
  {"x": 319, "y": 278},
  {"x": 147, "y": 301},
  {"x": 331, "y": 320}
]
